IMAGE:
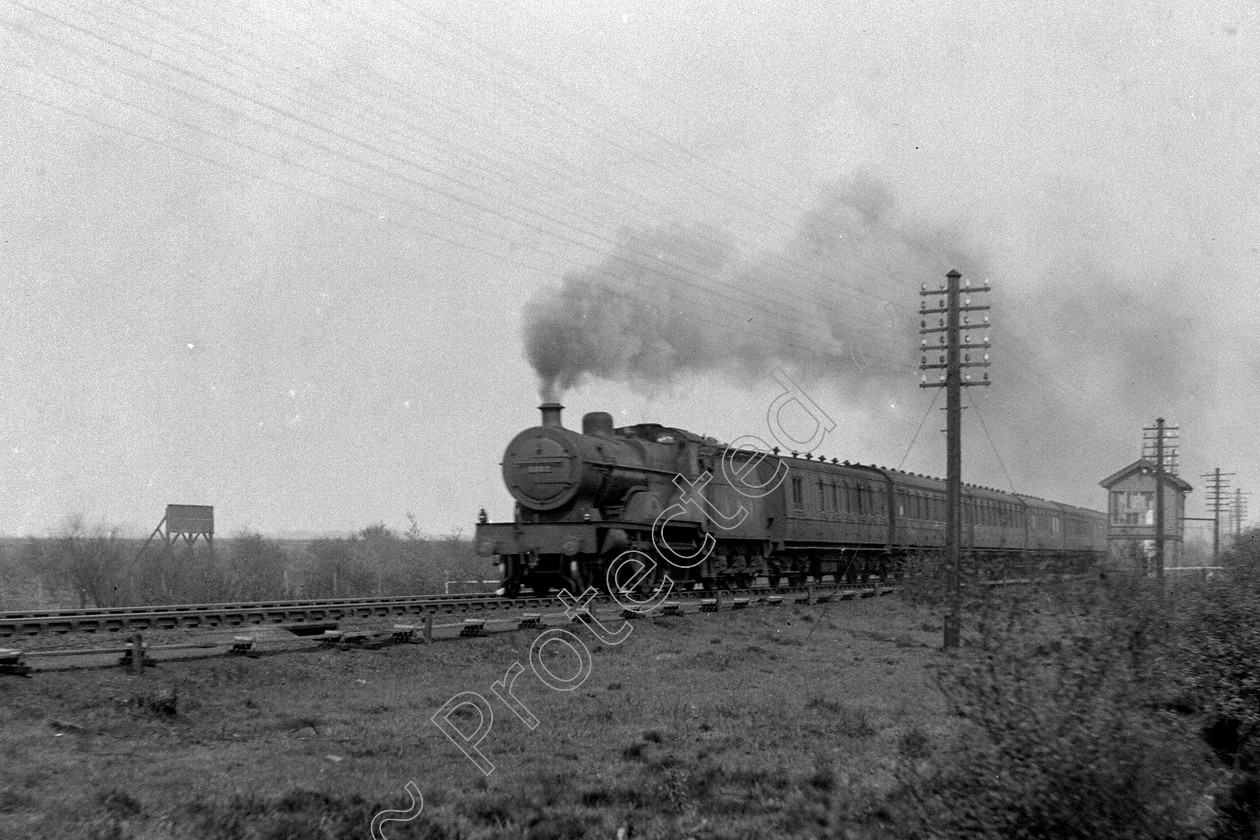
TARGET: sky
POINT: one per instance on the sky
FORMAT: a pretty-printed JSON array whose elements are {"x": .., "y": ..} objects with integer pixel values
[{"x": 316, "y": 263}]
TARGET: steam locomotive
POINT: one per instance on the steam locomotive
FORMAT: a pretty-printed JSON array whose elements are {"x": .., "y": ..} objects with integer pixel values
[{"x": 716, "y": 515}]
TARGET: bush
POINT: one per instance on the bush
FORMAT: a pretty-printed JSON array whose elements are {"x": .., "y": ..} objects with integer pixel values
[
  {"x": 1219, "y": 653},
  {"x": 379, "y": 561},
  {"x": 1066, "y": 728}
]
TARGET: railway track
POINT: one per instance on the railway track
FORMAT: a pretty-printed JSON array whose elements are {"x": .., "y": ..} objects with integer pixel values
[
  {"x": 369, "y": 615},
  {"x": 294, "y": 614}
]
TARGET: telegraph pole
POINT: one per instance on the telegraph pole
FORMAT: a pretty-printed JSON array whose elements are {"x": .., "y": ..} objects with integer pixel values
[
  {"x": 954, "y": 352},
  {"x": 1240, "y": 511},
  {"x": 1159, "y": 500},
  {"x": 1217, "y": 502},
  {"x": 1165, "y": 461}
]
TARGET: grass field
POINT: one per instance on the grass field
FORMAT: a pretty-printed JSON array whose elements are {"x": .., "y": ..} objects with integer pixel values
[{"x": 731, "y": 725}]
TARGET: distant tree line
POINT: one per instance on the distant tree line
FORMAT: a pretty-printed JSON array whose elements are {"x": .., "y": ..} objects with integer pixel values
[{"x": 87, "y": 566}]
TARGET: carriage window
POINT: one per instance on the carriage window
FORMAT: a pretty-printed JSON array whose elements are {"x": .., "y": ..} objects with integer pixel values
[{"x": 798, "y": 492}]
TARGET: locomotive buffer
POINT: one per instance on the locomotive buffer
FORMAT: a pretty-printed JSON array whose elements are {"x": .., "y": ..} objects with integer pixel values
[{"x": 953, "y": 351}]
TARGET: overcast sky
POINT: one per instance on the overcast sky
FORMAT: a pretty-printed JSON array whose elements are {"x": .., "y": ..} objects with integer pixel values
[{"x": 285, "y": 258}]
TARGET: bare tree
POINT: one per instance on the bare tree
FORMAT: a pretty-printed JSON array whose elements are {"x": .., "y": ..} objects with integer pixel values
[
  {"x": 88, "y": 561},
  {"x": 255, "y": 568}
]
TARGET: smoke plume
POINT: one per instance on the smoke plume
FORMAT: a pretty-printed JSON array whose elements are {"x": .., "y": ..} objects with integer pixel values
[
  {"x": 1086, "y": 351},
  {"x": 834, "y": 303}
]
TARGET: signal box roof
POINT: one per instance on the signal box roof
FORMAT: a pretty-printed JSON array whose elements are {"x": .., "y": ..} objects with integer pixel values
[{"x": 1145, "y": 466}]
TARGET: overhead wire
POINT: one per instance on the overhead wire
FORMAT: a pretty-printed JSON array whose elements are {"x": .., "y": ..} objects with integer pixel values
[
  {"x": 452, "y": 220},
  {"x": 936, "y": 395},
  {"x": 770, "y": 310},
  {"x": 460, "y": 199},
  {"x": 975, "y": 404},
  {"x": 429, "y": 211},
  {"x": 373, "y": 214},
  {"x": 616, "y": 139}
]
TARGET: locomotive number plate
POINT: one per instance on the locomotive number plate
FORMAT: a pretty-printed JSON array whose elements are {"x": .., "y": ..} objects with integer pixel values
[{"x": 538, "y": 468}]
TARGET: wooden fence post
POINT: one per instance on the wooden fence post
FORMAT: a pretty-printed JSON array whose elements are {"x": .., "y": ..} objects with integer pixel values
[{"x": 137, "y": 654}]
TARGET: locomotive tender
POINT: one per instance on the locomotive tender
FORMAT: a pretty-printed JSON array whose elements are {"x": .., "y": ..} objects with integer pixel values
[{"x": 584, "y": 498}]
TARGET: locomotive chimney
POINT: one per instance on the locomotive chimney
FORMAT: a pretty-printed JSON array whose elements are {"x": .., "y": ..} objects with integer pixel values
[
  {"x": 551, "y": 414},
  {"x": 597, "y": 423}
]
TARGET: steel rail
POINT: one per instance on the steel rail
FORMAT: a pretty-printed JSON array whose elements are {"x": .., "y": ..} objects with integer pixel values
[
  {"x": 280, "y": 613},
  {"x": 676, "y": 604}
]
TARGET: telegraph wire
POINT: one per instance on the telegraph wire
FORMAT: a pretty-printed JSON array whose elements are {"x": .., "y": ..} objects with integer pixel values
[
  {"x": 691, "y": 315},
  {"x": 534, "y": 72},
  {"x": 936, "y": 393},
  {"x": 368, "y": 189},
  {"x": 603, "y": 134},
  {"x": 975, "y": 403},
  {"x": 335, "y": 152},
  {"x": 366, "y": 164}
]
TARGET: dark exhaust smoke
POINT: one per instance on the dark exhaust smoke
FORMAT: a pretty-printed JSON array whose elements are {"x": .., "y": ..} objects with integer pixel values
[{"x": 835, "y": 303}]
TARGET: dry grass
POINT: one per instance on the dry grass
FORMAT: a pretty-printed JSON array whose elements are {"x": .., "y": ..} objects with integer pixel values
[{"x": 736, "y": 725}]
